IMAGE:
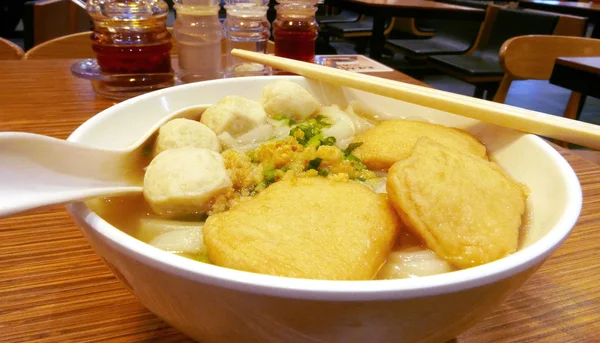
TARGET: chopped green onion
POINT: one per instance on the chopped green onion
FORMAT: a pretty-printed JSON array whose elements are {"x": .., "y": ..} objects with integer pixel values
[
  {"x": 351, "y": 148},
  {"x": 357, "y": 162},
  {"x": 314, "y": 164},
  {"x": 310, "y": 129},
  {"x": 328, "y": 140},
  {"x": 288, "y": 121},
  {"x": 269, "y": 176},
  {"x": 321, "y": 120}
]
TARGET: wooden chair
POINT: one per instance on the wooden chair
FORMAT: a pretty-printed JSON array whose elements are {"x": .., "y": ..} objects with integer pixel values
[
  {"x": 9, "y": 50},
  {"x": 532, "y": 58},
  {"x": 79, "y": 46},
  {"x": 44, "y": 20}
]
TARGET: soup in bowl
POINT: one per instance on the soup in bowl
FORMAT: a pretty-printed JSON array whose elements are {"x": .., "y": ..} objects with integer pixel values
[{"x": 404, "y": 283}]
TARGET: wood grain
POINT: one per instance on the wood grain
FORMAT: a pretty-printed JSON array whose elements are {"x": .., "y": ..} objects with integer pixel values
[
  {"x": 54, "y": 288},
  {"x": 533, "y": 57}
]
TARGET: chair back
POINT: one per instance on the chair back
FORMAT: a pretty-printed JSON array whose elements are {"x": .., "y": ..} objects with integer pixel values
[
  {"x": 511, "y": 23},
  {"x": 567, "y": 25},
  {"x": 77, "y": 45},
  {"x": 9, "y": 50},
  {"x": 458, "y": 33},
  {"x": 44, "y": 20},
  {"x": 532, "y": 57}
]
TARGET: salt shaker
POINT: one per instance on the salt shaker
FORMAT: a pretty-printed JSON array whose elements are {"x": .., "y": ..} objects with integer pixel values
[
  {"x": 246, "y": 27},
  {"x": 198, "y": 34}
]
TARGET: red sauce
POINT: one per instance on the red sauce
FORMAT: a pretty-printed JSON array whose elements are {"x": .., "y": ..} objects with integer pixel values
[
  {"x": 295, "y": 39},
  {"x": 134, "y": 58}
]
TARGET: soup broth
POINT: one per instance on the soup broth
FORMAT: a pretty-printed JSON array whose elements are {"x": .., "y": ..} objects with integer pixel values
[{"x": 279, "y": 150}]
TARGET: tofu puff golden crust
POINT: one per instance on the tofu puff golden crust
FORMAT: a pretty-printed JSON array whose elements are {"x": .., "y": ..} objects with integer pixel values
[
  {"x": 392, "y": 141},
  {"x": 307, "y": 228},
  {"x": 463, "y": 207}
]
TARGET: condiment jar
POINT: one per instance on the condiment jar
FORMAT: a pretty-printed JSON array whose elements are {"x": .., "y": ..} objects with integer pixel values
[
  {"x": 130, "y": 37},
  {"x": 295, "y": 29},
  {"x": 246, "y": 27},
  {"x": 198, "y": 33}
]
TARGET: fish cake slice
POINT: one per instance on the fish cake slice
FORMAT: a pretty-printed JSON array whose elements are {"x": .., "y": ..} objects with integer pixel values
[
  {"x": 392, "y": 141},
  {"x": 464, "y": 208},
  {"x": 309, "y": 228}
]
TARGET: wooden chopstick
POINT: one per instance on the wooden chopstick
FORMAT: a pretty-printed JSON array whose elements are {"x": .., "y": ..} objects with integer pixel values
[{"x": 560, "y": 128}]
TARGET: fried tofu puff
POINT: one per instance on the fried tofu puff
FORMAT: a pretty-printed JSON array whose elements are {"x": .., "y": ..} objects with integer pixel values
[
  {"x": 463, "y": 207},
  {"x": 310, "y": 228},
  {"x": 392, "y": 141},
  {"x": 182, "y": 133},
  {"x": 234, "y": 115},
  {"x": 181, "y": 182},
  {"x": 289, "y": 100}
]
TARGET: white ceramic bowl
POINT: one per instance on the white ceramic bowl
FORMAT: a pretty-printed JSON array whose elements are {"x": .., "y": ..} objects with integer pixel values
[{"x": 214, "y": 304}]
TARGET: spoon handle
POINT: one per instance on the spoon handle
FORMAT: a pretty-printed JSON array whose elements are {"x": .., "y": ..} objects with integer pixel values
[{"x": 38, "y": 171}]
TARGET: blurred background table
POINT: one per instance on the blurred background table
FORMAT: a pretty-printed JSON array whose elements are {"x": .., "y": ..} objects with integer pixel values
[
  {"x": 54, "y": 288},
  {"x": 591, "y": 10},
  {"x": 382, "y": 10},
  {"x": 579, "y": 74}
]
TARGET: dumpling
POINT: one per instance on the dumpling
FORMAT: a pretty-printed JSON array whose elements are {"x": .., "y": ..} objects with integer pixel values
[
  {"x": 290, "y": 230},
  {"x": 182, "y": 182},
  {"x": 342, "y": 127},
  {"x": 181, "y": 133},
  {"x": 289, "y": 100},
  {"x": 234, "y": 115},
  {"x": 462, "y": 207},
  {"x": 392, "y": 141}
]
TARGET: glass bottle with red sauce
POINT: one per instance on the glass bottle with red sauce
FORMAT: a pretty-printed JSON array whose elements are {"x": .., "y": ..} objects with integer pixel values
[
  {"x": 130, "y": 36},
  {"x": 295, "y": 29}
]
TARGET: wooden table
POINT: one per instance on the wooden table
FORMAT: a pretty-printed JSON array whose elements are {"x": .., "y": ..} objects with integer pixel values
[
  {"x": 381, "y": 10},
  {"x": 54, "y": 288},
  {"x": 579, "y": 74},
  {"x": 582, "y": 9}
]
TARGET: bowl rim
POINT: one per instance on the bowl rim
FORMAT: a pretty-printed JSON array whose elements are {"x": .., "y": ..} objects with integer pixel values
[{"x": 523, "y": 259}]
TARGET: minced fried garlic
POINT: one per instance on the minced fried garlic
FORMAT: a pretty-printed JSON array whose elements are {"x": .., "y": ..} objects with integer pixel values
[{"x": 253, "y": 171}]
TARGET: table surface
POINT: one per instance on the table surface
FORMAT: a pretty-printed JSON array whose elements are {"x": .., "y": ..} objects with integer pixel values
[
  {"x": 588, "y": 64},
  {"x": 54, "y": 288},
  {"x": 582, "y": 9},
  {"x": 579, "y": 74}
]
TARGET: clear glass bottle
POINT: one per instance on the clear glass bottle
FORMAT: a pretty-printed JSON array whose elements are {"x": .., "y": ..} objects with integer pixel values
[
  {"x": 198, "y": 33},
  {"x": 246, "y": 27},
  {"x": 295, "y": 29},
  {"x": 131, "y": 37}
]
